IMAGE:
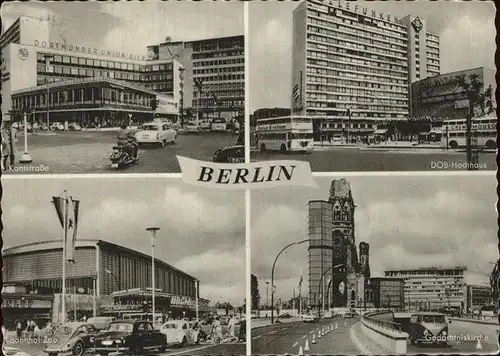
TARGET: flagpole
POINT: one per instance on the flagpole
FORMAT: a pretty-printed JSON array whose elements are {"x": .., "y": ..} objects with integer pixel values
[{"x": 63, "y": 304}]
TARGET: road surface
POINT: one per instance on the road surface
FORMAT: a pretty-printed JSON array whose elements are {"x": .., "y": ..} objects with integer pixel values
[
  {"x": 88, "y": 152},
  {"x": 355, "y": 159}
]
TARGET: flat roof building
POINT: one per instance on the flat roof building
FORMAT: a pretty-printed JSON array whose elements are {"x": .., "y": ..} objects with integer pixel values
[
  {"x": 433, "y": 288},
  {"x": 33, "y": 56},
  {"x": 387, "y": 292},
  {"x": 214, "y": 73}
]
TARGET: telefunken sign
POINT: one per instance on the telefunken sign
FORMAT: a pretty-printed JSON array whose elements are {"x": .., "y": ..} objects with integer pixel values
[
  {"x": 358, "y": 9},
  {"x": 89, "y": 50}
]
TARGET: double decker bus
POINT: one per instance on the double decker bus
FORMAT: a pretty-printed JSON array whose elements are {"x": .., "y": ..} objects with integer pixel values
[
  {"x": 483, "y": 132},
  {"x": 285, "y": 134}
]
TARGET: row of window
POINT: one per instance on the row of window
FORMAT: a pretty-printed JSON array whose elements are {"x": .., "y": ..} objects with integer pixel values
[
  {"x": 378, "y": 74},
  {"x": 394, "y": 85},
  {"x": 231, "y": 53},
  {"x": 433, "y": 55},
  {"x": 386, "y": 91},
  {"x": 218, "y": 45},
  {"x": 392, "y": 30},
  {"x": 83, "y": 95},
  {"x": 368, "y": 44},
  {"x": 354, "y": 105},
  {"x": 218, "y": 62},
  {"x": 315, "y": 112},
  {"x": 41, "y": 57},
  {"x": 218, "y": 78},
  {"x": 219, "y": 70},
  {"x": 215, "y": 87},
  {"x": 356, "y": 50},
  {"x": 85, "y": 72},
  {"x": 222, "y": 103},
  {"x": 220, "y": 93},
  {"x": 376, "y": 68},
  {"x": 386, "y": 105}
]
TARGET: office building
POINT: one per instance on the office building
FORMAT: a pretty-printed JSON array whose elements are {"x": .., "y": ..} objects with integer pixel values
[
  {"x": 433, "y": 288},
  {"x": 34, "y": 55},
  {"x": 101, "y": 268},
  {"x": 387, "y": 292},
  {"x": 214, "y": 73},
  {"x": 495, "y": 284},
  {"x": 334, "y": 263},
  {"x": 349, "y": 68},
  {"x": 478, "y": 296}
]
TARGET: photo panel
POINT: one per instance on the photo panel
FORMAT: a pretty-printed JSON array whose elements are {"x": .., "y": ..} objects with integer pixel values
[
  {"x": 77, "y": 260},
  {"x": 121, "y": 87},
  {"x": 402, "y": 264},
  {"x": 373, "y": 86}
]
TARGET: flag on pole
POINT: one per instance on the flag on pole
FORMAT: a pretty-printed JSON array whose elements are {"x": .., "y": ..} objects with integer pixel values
[
  {"x": 59, "y": 205},
  {"x": 70, "y": 232}
]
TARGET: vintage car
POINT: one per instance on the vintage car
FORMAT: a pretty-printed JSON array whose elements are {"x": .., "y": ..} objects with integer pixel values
[
  {"x": 429, "y": 327},
  {"x": 310, "y": 318},
  {"x": 101, "y": 322},
  {"x": 230, "y": 154},
  {"x": 72, "y": 338},
  {"x": 205, "y": 125},
  {"x": 57, "y": 126},
  {"x": 192, "y": 127},
  {"x": 157, "y": 133},
  {"x": 74, "y": 127},
  {"x": 179, "y": 332},
  {"x": 133, "y": 337}
]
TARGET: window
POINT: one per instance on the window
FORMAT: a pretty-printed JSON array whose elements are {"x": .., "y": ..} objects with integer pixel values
[
  {"x": 81, "y": 61},
  {"x": 111, "y": 64},
  {"x": 82, "y": 71},
  {"x": 130, "y": 66},
  {"x": 58, "y": 58},
  {"x": 97, "y": 62},
  {"x": 58, "y": 69},
  {"x": 90, "y": 62},
  {"x": 66, "y": 70},
  {"x": 74, "y": 60},
  {"x": 66, "y": 59},
  {"x": 123, "y": 66},
  {"x": 74, "y": 71}
]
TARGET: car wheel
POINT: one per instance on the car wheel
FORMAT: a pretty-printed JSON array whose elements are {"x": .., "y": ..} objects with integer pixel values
[
  {"x": 491, "y": 145},
  {"x": 162, "y": 349},
  {"x": 262, "y": 148},
  {"x": 162, "y": 143},
  {"x": 137, "y": 350},
  {"x": 52, "y": 354},
  {"x": 184, "y": 342},
  {"x": 103, "y": 353},
  {"x": 78, "y": 349},
  {"x": 453, "y": 144},
  {"x": 412, "y": 341}
]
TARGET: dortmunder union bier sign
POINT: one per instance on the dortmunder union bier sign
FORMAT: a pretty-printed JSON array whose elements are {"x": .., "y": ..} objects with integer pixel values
[{"x": 88, "y": 50}]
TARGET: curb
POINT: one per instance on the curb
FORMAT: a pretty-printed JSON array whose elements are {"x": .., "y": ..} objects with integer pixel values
[
  {"x": 263, "y": 326},
  {"x": 475, "y": 321},
  {"x": 361, "y": 347}
]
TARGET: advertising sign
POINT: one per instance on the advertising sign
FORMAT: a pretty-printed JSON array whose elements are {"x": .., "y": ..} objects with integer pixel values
[{"x": 26, "y": 304}]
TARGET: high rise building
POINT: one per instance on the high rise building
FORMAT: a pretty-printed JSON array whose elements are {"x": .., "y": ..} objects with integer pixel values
[
  {"x": 478, "y": 296},
  {"x": 387, "y": 292},
  {"x": 214, "y": 73},
  {"x": 433, "y": 287},
  {"x": 334, "y": 267},
  {"x": 352, "y": 67}
]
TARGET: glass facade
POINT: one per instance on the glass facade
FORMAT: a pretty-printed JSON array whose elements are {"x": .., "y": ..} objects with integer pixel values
[{"x": 219, "y": 64}]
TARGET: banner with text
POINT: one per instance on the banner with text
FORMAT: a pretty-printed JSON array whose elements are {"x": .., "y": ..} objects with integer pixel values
[{"x": 255, "y": 175}]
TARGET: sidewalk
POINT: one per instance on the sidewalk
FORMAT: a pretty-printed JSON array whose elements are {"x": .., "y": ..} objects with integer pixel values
[
  {"x": 493, "y": 321},
  {"x": 384, "y": 145},
  {"x": 259, "y": 323}
]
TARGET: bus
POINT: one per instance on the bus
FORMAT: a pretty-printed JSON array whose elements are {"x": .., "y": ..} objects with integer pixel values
[
  {"x": 218, "y": 125},
  {"x": 483, "y": 131},
  {"x": 488, "y": 311},
  {"x": 285, "y": 134}
]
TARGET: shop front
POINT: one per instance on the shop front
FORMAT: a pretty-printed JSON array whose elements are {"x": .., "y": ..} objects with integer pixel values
[{"x": 24, "y": 307}]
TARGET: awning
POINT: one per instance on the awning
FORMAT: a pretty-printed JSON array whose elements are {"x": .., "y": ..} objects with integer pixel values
[
  {"x": 436, "y": 131},
  {"x": 380, "y": 131}
]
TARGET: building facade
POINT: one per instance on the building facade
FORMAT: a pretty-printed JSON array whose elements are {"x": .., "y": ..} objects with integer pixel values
[
  {"x": 266, "y": 113},
  {"x": 495, "y": 284},
  {"x": 387, "y": 292},
  {"x": 214, "y": 73},
  {"x": 433, "y": 288},
  {"x": 441, "y": 98},
  {"x": 33, "y": 55},
  {"x": 350, "y": 67},
  {"x": 101, "y": 269},
  {"x": 334, "y": 263},
  {"x": 478, "y": 296}
]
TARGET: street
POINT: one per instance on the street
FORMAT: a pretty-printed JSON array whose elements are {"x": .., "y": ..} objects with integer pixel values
[
  {"x": 343, "y": 159},
  {"x": 290, "y": 337},
  {"x": 89, "y": 151}
]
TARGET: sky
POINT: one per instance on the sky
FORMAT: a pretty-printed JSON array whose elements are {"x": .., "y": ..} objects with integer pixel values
[
  {"x": 202, "y": 231},
  {"x": 466, "y": 29},
  {"x": 131, "y": 26},
  {"x": 408, "y": 220}
]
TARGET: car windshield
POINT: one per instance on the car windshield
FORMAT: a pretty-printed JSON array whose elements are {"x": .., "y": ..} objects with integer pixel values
[
  {"x": 120, "y": 327},
  {"x": 64, "y": 330},
  {"x": 150, "y": 128},
  {"x": 433, "y": 319},
  {"x": 171, "y": 326}
]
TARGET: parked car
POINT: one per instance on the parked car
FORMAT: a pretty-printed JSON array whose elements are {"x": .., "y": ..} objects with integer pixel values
[
  {"x": 230, "y": 154},
  {"x": 72, "y": 338},
  {"x": 74, "y": 127},
  {"x": 309, "y": 318},
  {"x": 156, "y": 133},
  {"x": 205, "y": 125},
  {"x": 192, "y": 127},
  {"x": 57, "y": 126},
  {"x": 348, "y": 315},
  {"x": 133, "y": 337},
  {"x": 179, "y": 332},
  {"x": 101, "y": 322}
]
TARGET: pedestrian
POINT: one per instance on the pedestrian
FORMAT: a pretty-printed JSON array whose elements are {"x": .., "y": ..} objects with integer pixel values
[
  {"x": 19, "y": 328},
  {"x": 231, "y": 326},
  {"x": 242, "y": 334},
  {"x": 5, "y": 145}
]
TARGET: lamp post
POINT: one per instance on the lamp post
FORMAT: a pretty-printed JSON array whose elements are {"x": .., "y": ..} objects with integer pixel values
[
  {"x": 25, "y": 157},
  {"x": 196, "y": 286},
  {"x": 320, "y": 285},
  {"x": 272, "y": 274},
  {"x": 328, "y": 292},
  {"x": 181, "y": 99},
  {"x": 114, "y": 277},
  {"x": 199, "y": 85},
  {"x": 153, "y": 231},
  {"x": 267, "y": 294}
]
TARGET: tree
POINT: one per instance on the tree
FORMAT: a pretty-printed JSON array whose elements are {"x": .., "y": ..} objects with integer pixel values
[{"x": 255, "y": 292}]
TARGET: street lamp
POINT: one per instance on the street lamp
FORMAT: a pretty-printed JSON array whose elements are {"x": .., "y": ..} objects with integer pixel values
[
  {"x": 323, "y": 289},
  {"x": 267, "y": 294},
  {"x": 199, "y": 85},
  {"x": 25, "y": 157},
  {"x": 113, "y": 275},
  {"x": 272, "y": 274},
  {"x": 153, "y": 231},
  {"x": 181, "y": 99},
  {"x": 196, "y": 285}
]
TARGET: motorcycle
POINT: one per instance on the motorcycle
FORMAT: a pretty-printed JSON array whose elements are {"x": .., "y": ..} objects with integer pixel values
[{"x": 120, "y": 158}]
